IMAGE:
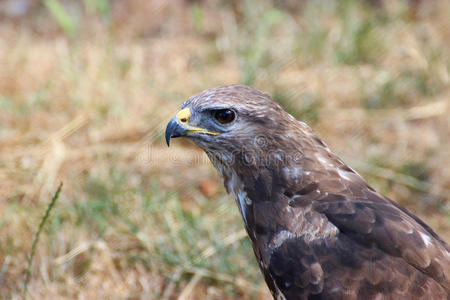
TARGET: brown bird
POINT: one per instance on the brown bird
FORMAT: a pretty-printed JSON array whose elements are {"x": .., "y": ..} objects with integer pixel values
[{"x": 318, "y": 229}]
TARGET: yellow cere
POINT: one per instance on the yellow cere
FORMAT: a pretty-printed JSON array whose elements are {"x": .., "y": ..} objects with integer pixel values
[{"x": 183, "y": 117}]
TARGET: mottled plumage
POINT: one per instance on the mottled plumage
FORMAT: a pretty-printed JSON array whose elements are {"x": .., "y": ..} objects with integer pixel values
[{"x": 318, "y": 230}]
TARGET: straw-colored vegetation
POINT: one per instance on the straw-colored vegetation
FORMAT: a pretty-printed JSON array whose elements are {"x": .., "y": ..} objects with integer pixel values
[{"x": 86, "y": 88}]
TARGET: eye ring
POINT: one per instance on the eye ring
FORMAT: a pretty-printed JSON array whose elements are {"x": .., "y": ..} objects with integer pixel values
[{"x": 224, "y": 116}]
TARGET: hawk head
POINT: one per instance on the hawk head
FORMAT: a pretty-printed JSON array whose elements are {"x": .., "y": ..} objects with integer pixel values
[{"x": 236, "y": 122}]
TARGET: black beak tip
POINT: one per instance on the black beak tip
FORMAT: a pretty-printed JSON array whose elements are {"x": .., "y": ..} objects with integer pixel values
[
  {"x": 173, "y": 130},
  {"x": 168, "y": 140},
  {"x": 168, "y": 135}
]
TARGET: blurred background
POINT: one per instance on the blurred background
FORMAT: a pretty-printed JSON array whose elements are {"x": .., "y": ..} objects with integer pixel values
[{"x": 87, "y": 87}]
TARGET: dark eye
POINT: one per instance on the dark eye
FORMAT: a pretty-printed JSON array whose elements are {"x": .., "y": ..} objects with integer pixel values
[{"x": 224, "y": 116}]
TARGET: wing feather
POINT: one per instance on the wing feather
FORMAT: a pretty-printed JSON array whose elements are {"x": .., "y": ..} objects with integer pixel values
[{"x": 381, "y": 249}]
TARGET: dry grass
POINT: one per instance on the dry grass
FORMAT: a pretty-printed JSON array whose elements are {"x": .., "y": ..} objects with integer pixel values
[{"x": 87, "y": 105}]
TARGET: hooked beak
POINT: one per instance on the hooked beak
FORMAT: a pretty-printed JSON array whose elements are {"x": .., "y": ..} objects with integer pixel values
[
  {"x": 179, "y": 126},
  {"x": 174, "y": 129}
]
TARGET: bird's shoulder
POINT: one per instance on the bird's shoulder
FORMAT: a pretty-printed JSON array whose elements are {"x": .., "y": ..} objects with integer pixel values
[
  {"x": 344, "y": 269},
  {"x": 370, "y": 227}
]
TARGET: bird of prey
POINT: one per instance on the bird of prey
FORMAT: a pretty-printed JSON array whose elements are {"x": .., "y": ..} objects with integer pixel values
[{"x": 318, "y": 229}]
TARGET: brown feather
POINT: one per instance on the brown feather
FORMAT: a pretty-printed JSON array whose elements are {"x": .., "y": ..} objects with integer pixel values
[{"x": 318, "y": 229}]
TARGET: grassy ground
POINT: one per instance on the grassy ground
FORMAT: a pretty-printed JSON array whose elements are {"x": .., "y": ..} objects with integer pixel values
[{"x": 86, "y": 88}]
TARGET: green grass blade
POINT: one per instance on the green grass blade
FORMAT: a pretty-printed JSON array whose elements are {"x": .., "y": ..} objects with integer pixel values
[
  {"x": 36, "y": 239},
  {"x": 59, "y": 13}
]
